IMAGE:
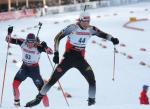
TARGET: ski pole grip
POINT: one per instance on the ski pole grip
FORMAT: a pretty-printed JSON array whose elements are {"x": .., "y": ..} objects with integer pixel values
[
  {"x": 10, "y": 30},
  {"x": 40, "y": 24}
]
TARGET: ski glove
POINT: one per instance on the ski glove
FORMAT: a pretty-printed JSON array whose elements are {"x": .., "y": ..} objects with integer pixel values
[
  {"x": 44, "y": 44},
  {"x": 8, "y": 39},
  {"x": 115, "y": 41},
  {"x": 47, "y": 49},
  {"x": 10, "y": 29},
  {"x": 56, "y": 57}
]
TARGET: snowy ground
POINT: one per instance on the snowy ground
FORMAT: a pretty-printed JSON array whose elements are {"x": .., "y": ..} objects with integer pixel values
[{"x": 130, "y": 76}]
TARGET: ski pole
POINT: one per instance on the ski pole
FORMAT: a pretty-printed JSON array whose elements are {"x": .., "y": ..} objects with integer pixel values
[
  {"x": 10, "y": 29},
  {"x": 114, "y": 64},
  {"x": 85, "y": 8},
  {"x": 53, "y": 67},
  {"x": 37, "y": 38},
  {"x": 40, "y": 24}
]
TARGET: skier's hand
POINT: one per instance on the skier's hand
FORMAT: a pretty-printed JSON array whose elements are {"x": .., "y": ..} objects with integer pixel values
[
  {"x": 49, "y": 50},
  {"x": 115, "y": 41},
  {"x": 8, "y": 39},
  {"x": 10, "y": 30},
  {"x": 44, "y": 44},
  {"x": 56, "y": 57}
]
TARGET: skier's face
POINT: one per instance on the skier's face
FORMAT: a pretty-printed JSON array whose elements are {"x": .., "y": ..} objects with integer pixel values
[
  {"x": 30, "y": 44},
  {"x": 85, "y": 24}
]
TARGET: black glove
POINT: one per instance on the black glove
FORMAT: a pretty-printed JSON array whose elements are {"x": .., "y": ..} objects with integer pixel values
[
  {"x": 56, "y": 57},
  {"x": 44, "y": 44},
  {"x": 115, "y": 41},
  {"x": 10, "y": 29}
]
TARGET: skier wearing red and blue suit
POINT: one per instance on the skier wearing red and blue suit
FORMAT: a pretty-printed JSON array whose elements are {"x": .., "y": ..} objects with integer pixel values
[{"x": 31, "y": 51}]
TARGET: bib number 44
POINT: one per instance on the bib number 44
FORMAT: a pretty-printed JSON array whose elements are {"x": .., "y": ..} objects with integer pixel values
[{"x": 82, "y": 40}]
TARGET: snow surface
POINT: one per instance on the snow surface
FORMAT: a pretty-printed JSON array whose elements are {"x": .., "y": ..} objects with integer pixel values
[{"x": 130, "y": 76}]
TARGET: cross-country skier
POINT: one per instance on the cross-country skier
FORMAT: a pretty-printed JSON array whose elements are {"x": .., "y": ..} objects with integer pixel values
[
  {"x": 77, "y": 36},
  {"x": 31, "y": 51}
]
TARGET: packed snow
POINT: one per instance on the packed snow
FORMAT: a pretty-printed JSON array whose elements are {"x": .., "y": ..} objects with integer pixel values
[{"x": 130, "y": 75}]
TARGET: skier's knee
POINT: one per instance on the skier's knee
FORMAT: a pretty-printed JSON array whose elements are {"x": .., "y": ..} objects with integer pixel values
[{"x": 40, "y": 85}]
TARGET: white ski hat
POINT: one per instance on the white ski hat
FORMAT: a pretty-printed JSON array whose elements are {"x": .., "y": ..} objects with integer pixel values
[{"x": 84, "y": 16}]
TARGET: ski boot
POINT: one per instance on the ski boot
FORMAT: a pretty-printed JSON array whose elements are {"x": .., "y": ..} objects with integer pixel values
[
  {"x": 91, "y": 101},
  {"x": 36, "y": 101}
]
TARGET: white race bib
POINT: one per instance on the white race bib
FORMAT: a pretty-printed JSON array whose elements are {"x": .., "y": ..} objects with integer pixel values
[
  {"x": 79, "y": 37},
  {"x": 30, "y": 56}
]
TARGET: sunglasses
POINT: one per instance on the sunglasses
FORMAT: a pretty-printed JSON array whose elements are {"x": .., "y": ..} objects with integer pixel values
[{"x": 85, "y": 20}]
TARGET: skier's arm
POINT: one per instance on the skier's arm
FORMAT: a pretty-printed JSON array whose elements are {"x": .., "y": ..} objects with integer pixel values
[
  {"x": 101, "y": 34},
  {"x": 44, "y": 48},
  {"x": 57, "y": 39},
  {"x": 16, "y": 41},
  {"x": 66, "y": 31},
  {"x": 13, "y": 40}
]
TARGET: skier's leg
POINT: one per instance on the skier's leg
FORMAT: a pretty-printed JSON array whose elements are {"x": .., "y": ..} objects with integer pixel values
[
  {"x": 87, "y": 72},
  {"x": 16, "y": 92},
  {"x": 57, "y": 74},
  {"x": 38, "y": 81},
  {"x": 45, "y": 101},
  {"x": 19, "y": 77}
]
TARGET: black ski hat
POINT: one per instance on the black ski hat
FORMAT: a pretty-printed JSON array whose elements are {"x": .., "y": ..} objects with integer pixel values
[
  {"x": 145, "y": 87},
  {"x": 30, "y": 38}
]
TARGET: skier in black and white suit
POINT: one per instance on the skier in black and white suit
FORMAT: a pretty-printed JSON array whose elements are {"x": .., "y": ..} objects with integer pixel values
[
  {"x": 31, "y": 51},
  {"x": 77, "y": 36}
]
